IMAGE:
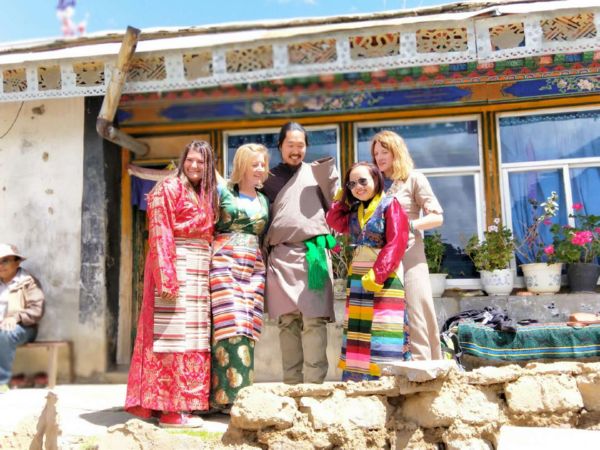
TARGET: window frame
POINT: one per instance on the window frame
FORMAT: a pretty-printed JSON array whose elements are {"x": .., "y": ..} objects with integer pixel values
[
  {"x": 477, "y": 172},
  {"x": 564, "y": 165},
  {"x": 275, "y": 130}
]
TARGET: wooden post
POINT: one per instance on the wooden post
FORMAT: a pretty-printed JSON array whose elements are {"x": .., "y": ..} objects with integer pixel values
[
  {"x": 52, "y": 365},
  {"x": 125, "y": 266},
  {"x": 104, "y": 123}
]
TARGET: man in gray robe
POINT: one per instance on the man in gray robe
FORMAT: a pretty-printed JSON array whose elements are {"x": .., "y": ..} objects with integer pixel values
[{"x": 300, "y": 195}]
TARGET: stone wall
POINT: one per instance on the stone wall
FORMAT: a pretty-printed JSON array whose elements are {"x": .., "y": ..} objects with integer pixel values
[{"x": 420, "y": 405}]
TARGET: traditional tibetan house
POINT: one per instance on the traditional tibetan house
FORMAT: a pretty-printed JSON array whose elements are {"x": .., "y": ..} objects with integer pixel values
[{"x": 498, "y": 101}]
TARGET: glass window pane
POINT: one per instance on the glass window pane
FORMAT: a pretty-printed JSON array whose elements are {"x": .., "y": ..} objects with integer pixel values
[
  {"x": 435, "y": 144},
  {"x": 536, "y": 185},
  {"x": 322, "y": 143},
  {"x": 550, "y": 136},
  {"x": 460, "y": 222},
  {"x": 585, "y": 186}
]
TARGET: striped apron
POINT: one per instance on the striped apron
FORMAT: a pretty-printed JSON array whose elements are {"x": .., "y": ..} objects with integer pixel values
[
  {"x": 184, "y": 324},
  {"x": 375, "y": 326}
]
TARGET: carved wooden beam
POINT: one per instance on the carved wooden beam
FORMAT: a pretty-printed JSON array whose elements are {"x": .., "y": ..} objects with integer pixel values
[{"x": 104, "y": 123}]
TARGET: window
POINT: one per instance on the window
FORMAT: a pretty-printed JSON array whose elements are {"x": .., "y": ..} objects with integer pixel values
[
  {"x": 447, "y": 150},
  {"x": 323, "y": 141},
  {"x": 541, "y": 152}
]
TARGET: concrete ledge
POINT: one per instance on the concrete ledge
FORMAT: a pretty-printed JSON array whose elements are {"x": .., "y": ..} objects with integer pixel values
[
  {"x": 534, "y": 438},
  {"x": 543, "y": 308}
]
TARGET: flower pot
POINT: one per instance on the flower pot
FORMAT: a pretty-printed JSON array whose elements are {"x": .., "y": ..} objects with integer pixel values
[
  {"x": 497, "y": 282},
  {"x": 339, "y": 289},
  {"x": 542, "y": 278},
  {"x": 583, "y": 277},
  {"x": 438, "y": 283}
]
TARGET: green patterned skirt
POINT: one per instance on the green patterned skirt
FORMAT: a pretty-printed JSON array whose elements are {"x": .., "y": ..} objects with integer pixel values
[{"x": 232, "y": 369}]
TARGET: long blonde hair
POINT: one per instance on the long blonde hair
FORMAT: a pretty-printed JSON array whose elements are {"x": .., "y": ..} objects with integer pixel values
[
  {"x": 402, "y": 163},
  {"x": 241, "y": 161}
]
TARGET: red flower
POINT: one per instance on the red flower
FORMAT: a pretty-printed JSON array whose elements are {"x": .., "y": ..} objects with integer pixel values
[
  {"x": 582, "y": 237},
  {"x": 337, "y": 248},
  {"x": 549, "y": 250},
  {"x": 577, "y": 206}
]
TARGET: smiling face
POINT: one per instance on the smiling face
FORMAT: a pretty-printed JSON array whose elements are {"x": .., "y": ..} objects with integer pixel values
[
  {"x": 256, "y": 169},
  {"x": 193, "y": 167},
  {"x": 361, "y": 183},
  {"x": 293, "y": 147},
  {"x": 384, "y": 159}
]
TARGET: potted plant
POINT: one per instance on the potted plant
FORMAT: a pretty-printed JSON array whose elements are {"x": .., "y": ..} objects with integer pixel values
[
  {"x": 540, "y": 270},
  {"x": 341, "y": 258},
  {"x": 579, "y": 247},
  {"x": 434, "y": 253},
  {"x": 492, "y": 258}
]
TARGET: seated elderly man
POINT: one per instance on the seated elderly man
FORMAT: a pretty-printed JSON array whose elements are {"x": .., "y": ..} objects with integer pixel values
[{"x": 21, "y": 308}]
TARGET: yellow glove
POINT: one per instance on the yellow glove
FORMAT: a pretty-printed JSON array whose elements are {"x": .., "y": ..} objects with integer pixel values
[
  {"x": 369, "y": 283},
  {"x": 338, "y": 195}
]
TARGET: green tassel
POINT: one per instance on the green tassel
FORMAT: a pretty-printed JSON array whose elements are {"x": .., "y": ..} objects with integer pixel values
[{"x": 316, "y": 259}]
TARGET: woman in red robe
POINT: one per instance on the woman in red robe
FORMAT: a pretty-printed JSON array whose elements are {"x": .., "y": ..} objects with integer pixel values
[{"x": 169, "y": 374}]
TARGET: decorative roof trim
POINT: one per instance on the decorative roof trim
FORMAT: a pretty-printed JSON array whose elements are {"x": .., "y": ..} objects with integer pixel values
[{"x": 165, "y": 64}]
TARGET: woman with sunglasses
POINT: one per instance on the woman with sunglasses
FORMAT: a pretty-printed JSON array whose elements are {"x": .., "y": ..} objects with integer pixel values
[
  {"x": 390, "y": 153},
  {"x": 375, "y": 328}
]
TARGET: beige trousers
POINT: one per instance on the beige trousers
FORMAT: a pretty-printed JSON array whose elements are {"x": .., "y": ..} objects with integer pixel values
[
  {"x": 422, "y": 322},
  {"x": 303, "y": 344}
]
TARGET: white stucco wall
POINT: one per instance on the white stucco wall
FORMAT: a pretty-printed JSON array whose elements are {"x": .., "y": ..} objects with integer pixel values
[{"x": 41, "y": 179}]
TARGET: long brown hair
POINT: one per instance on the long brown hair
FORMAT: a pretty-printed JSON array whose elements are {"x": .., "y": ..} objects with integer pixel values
[
  {"x": 402, "y": 164},
  {"x": 375, "y": 173},
  {"x": 207, "y": 188}
]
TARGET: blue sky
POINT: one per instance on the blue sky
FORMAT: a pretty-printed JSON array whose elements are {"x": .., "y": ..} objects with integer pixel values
[{"x": 30, "y": 19}]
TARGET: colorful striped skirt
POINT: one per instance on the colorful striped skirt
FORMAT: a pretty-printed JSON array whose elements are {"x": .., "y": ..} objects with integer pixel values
[
  {"x": 375, "y": 325},
  {"x": 237, "y": 285}
]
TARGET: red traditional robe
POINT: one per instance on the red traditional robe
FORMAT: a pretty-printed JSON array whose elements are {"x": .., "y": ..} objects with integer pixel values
[{"x": 170, "y": 367}]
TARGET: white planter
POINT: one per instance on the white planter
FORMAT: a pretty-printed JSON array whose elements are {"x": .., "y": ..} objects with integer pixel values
[
  {"x": 339, "y": 289},
  {"x": 438, "y": 283},
  {"x": 542, "y": 278},
  {"x": 497, "y": 282}
]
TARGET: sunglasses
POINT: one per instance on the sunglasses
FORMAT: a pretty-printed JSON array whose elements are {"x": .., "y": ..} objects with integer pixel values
[{"x": 352, "y": 184}]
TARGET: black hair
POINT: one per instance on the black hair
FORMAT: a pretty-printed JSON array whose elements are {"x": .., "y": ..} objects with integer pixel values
[
  {"x": 290, "y": 126},
  {"x": 375, "y": 173}
]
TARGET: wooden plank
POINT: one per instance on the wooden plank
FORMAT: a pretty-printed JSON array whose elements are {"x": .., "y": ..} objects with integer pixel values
[
  {"x": 52, "y": 365},
  {"x": 360, "y": 116},
  {"x": 124, "y": 346},
  {"x": 46, "y": 344},
  {"x": 119, "y": 75},
  {"x": 491, "y": 169}
]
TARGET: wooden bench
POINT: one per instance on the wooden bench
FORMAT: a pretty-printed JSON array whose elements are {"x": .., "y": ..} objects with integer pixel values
[{"x": 52, "y": 347}]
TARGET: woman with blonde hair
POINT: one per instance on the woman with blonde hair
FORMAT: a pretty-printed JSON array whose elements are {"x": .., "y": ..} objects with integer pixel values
[
  {"x": 237, "y": 274},
  {"x": 169, "y": 376},
  {"x": 413, "y": 191}
]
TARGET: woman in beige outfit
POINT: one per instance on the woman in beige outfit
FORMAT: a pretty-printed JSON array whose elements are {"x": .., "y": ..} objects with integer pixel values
[{"x": 414, "y": 193}]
